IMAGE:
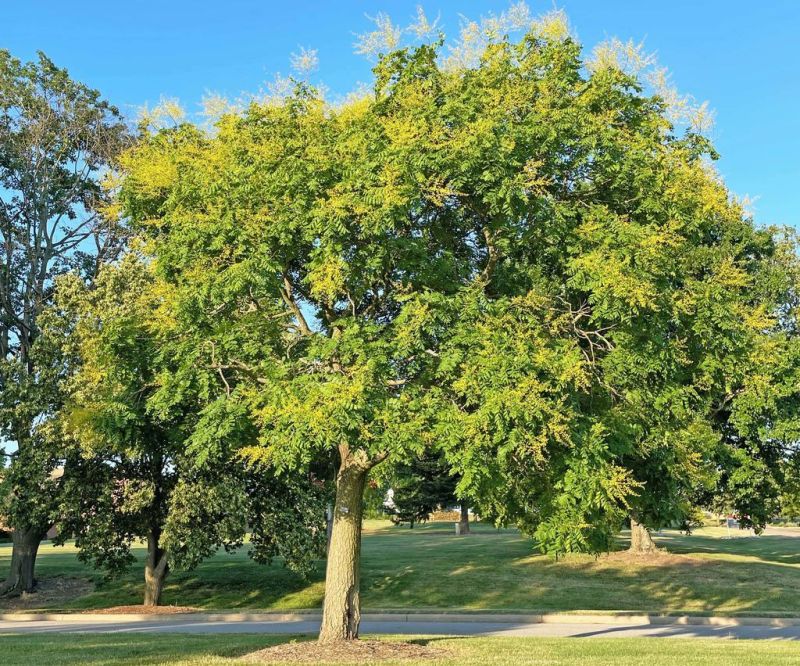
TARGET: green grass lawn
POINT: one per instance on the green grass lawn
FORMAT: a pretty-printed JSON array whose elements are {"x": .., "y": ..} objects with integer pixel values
[
  {"x": 430, "y": 568},
  {"x": 140, "y": 649}
]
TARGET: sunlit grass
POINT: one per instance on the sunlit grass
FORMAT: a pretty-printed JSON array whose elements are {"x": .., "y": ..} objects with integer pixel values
[
  {"x": 185, "y": 650},
  {"x": 431, "y": 568}
]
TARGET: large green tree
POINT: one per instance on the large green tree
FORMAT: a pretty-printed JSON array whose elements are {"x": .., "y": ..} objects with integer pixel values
[
  {"x": 508, "y": 250},
  {"x": 57, "y": 139},
  {"x": 291, "y": 242},
  {"x": 617, "y": 297}
]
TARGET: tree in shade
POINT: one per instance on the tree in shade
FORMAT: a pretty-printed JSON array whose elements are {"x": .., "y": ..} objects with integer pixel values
[
  {"x": 132, "y": 473},
  {"x": 420, "y": 486}
]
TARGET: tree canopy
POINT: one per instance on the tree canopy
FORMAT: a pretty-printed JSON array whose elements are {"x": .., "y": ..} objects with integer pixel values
[
  {"x": 520, "y": 255},
  {"x": 130, "y": 475},
  {"x": 58, "y": 138}
]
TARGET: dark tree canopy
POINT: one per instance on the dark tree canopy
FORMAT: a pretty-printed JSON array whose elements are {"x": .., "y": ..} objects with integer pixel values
[
  {"x": 420, "y": 486},
  {"x": 131, "y": 474}
]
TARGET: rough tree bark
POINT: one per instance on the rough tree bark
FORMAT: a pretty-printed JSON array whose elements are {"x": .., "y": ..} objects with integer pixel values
[
  {"x": 155, "y": 570},
  {"x": 342, "y": 609},
  {"x": 641, "y": 541},
  {"x": 463, "y": 527},
  {"x": 21, "y": 577}
]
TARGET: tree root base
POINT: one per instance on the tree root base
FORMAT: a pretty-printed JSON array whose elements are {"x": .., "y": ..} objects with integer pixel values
[
  {"x": 645, "y": 551},
  {"x": 350, "y": 652}
]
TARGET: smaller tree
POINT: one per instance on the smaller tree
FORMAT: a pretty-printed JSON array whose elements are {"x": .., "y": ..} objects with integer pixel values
[
  {"x": 57, "y": 139},
  {"x": 790, "y": 491},
  {"x": 132, "y": 472},
  {"x": 134, "y": 476},
  {"x": 420, "y": 486}
]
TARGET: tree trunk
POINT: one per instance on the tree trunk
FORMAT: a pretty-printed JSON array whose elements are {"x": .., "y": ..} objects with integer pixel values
[
  {"x": 155, "y": 570},
  {"x": 463, "y": 527},
  {"x": 342, "y": 610},
  {"x": 641, "y": 541},
  {"x": 23, "y": 561}
]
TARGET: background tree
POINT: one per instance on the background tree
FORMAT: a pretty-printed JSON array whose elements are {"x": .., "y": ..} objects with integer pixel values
[
  {"x": 420, "y": 486},
  {"x": 133, "y": 477},
  {"x": 57, "y": 139},
  {"x": 112, "y": 420},
  {"x": 790, "y": 492},
  {"x": 758, "y": 417}
]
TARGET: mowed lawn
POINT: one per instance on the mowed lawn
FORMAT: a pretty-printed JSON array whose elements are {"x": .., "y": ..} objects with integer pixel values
[
  {"x": 431, "y": 568},
  {"x": 140, "y": 649}
]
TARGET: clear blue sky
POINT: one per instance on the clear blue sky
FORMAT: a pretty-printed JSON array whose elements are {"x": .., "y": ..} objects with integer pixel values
[{"x": 740, "y": 55}]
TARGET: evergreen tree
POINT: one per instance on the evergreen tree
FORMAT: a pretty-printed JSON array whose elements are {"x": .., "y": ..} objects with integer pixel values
[{"x": 419, "y": 487}]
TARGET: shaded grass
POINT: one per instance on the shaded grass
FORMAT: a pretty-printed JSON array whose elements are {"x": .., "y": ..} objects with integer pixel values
[
  {"x": 129, "y": 649},
  {"x": 430, "y": 568}
]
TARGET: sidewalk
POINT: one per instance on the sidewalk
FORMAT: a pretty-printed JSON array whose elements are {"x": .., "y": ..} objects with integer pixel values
[
  {"x": 610, "y": 617},
  {"x": 555, "y": 624}
]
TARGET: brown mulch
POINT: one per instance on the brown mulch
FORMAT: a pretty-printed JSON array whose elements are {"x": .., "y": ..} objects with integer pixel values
[
  {"x": 49, "y": 592},
  {"x": 658, "y": 557},
  {"x": 350, "y": 652},
  {"x": 144, "y": 610},
  {"x": 445, "y": 516}
]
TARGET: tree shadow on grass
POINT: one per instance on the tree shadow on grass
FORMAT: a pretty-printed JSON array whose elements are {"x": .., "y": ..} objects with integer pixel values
[
  {"x": 431, "y": 568},
  {"x": 222, "y": 583},
  {"x": 774, "y": 549},
  {"x": 473, "y": 579}
]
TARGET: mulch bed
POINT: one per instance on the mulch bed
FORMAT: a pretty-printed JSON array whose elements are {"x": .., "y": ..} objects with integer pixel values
[
  {"x": 351, "y": 652},
  {"x": 658, "y": 557},
  {"x": 48, "y": 592},
  {"x": 144, "y": 610}
]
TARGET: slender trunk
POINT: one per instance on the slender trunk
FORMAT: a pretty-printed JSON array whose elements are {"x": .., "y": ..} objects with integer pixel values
[
  {"x": 641, "y": 541},
  {"x": 464, "y": 522},
  {"x": 23, "y": 561},
  {"x": 155, "y": 570},
  {"x": 342, "y": 610}
]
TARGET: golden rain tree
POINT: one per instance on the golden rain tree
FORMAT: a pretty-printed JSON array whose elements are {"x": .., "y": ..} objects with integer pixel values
[{"x": 502, "y": 250}]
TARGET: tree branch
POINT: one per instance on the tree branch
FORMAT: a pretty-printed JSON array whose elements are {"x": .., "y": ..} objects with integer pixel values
[{"x": 288, "y": 296}]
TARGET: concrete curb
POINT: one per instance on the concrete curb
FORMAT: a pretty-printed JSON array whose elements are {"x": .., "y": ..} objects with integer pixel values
[{"x": 434, "y": 618}]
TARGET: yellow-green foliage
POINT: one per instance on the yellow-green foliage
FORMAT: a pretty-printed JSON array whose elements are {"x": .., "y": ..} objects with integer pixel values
[{"x": 502, "y": 250}]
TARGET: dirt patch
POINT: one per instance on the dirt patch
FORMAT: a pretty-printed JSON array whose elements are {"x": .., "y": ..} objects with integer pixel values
[
  {"x": 144, "y": 610},
  {"x": 659, "y": 558},
  {"x": 351, "y": 652},
  {"x": 50, "y": 592}
]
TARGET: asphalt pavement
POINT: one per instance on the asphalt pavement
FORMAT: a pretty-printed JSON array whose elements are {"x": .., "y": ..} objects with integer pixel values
[{"x": 455, "y": 628}]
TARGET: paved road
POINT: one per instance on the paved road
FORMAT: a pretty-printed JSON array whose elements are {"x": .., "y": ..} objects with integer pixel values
[{"x": 410, "y": 627}]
